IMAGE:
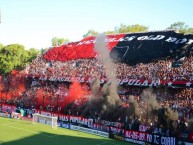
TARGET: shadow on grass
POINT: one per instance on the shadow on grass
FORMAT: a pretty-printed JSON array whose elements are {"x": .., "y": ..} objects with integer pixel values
[{"x": 44, "y": 138}]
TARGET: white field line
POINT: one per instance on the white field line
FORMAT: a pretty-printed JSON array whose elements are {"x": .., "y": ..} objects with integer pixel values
[{"x": 27, "y": 130}]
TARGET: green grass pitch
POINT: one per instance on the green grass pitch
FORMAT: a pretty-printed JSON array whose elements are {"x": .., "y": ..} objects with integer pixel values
[{"x": 20, "y": 132}]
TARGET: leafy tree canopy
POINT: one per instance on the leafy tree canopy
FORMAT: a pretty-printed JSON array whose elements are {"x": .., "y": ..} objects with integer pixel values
[
  {"x": 14, "y": 56},
  {"x": 130, "y": 28},
  {"x": 181, "y": 27},
  {"x": 58, "y": 41},
  {"x": 120, "y": 29},
  {"x": 1, "y": 46},
  {"x": 91, "y": 32}
]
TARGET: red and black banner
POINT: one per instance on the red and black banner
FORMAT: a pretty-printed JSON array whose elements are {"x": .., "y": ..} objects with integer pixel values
[{"x": 129, "y": 48}]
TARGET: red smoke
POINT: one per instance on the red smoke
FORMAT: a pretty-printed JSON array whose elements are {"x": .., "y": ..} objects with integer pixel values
[
  {"x": 14, "y": 86},
  {"x": 17, "y": 83},
  {"x": 2, "y": 90},
  {"x": 75, "y": 92},
  {"x": 40, "y": 95},
  {"x": 1, "y": 86}
]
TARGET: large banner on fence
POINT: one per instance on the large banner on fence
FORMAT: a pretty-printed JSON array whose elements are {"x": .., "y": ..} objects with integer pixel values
[
  {"x": 120, "y": 81},
  {"x": 90, "y": 131},
  {"x": 153, "y": 139}
]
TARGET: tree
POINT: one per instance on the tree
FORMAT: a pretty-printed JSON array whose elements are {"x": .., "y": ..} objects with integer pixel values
[
  {"x": 190, "y": 30},
  {"x": 14, "y": 56},
  {"x": 58, "y": 41},
  {"x": 181, "y": 27},
  {"x": 1, "y": 46},
  {"x": 109, "y": 32},
  {"x": 32, "y": 54},
  {"x": 90, "y": 32},
  {"x": 130, "y": 28},
  {"x": 121, "y": 29},
  {"x": 10, "y": 57}
]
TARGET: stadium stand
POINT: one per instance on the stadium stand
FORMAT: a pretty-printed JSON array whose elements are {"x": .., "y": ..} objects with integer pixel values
[{"x": 161, "y": 61}]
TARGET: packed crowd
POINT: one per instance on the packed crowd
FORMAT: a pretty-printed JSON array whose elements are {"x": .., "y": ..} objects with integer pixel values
[
  {"x": 160, "y": 69},
  {"x": 52, "y": 96},
  {"x": 42, "y": 94},
  {"x": 177, "y": 99}
]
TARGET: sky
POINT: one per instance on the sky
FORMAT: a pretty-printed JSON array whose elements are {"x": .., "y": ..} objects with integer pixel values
[{"x": 33, "y": 23}]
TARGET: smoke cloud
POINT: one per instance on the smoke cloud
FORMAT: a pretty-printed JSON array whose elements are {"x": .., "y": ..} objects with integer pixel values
[
  {"x": 105, "y": 99},
  {"x": 110, "y": 88},
  {"x": 162, "y": 113}
]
